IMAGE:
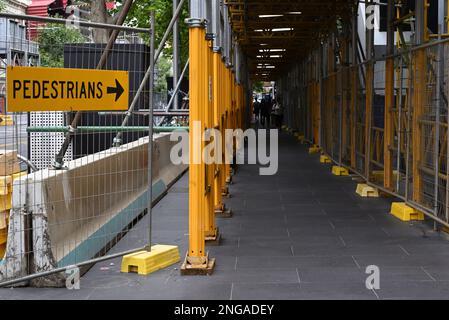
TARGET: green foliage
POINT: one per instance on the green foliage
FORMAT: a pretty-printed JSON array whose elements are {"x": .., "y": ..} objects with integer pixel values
[
  {"x": 258, "y": 87},
  {"x": 139, "y": 16},
  {"x": 164, "y": 66},
  {"x": 2, "y": 5},
  {"x": 52, "y": 38}
]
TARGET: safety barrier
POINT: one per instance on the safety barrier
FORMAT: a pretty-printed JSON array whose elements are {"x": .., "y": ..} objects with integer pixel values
[
  {"x": 77, "y": 212},
  {"x": 87, "y": 169}
]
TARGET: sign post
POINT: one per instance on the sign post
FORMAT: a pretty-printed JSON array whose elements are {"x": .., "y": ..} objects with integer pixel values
[{"x": 63, "y": 89}]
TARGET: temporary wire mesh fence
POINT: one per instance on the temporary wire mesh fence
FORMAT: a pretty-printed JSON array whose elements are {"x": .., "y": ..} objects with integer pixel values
[
  {"x": 55, "y": 218},
  {"x": 418, "y": 148}
]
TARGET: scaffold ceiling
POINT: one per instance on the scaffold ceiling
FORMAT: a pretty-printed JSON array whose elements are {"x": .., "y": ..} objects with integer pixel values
[{"x": 274, "y": 34}]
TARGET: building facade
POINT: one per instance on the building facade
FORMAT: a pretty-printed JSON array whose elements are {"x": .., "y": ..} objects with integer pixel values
[{"x": 16, "y": 6}]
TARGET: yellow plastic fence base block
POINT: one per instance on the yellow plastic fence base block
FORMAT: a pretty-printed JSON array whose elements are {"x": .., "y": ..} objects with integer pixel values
[
  {"x": 6, "y": 120},
  {"x": 405, "y": 213},
  {"x": 144, "y": 262},
  {"x": 339, "y": 171},
  {"x": 367, "y": 191},
  {"x": 314, "y": 149},
  {"x": 325, "y": 159}
]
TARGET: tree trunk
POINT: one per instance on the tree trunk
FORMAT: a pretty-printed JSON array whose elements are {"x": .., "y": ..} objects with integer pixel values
[{"x": 98, "y": 13}]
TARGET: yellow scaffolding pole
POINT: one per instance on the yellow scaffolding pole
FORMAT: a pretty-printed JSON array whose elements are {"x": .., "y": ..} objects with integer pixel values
[
  {"x": 211, "y": 231},
  {"x": 419, "y": 91},
  {"x": 197, "y": 260},
  {"x": 217, "y": 102},
  {"x": 368, "y": 117},
  {"x": 228, "y": 106},
  {"x": 224, "y": 125},
  {"x": 354, "y": 80},
  {"x": 388, "y": 134}
]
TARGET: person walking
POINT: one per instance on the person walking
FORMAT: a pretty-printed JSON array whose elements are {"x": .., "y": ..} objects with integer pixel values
[
  {"x": 256, "y": 110},
  {"x": 278, "y": 113},
  {"x": 262, "y": 111},
  {"x": 266, "y": 112}
]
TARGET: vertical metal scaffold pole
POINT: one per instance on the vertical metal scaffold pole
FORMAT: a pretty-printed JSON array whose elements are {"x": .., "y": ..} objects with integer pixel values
[
  {"x": 197, "y": 261},
  {"x": 354, "y": 80},
  {"x": 369, "y": 91},
  {"x": 419, "y": 91},
  {"x": 150, "y": 132},
  {"x": 389, "y": 104},
  {"x": 175, "y": 57},
  {"x": 439, "y": 85}
]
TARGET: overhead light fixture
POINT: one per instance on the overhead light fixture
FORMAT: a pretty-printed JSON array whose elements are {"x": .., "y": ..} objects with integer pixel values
[
  {"x": 294, "y": 12},
  {"x": 264, "y": 44},
  {"x": 274, "y": 30},
  {"x": 276, "y": 56},
  {"x": 272, "y": 50},
  {"x": 270, "y": 15},
  {"x": 281, "y": 29}
]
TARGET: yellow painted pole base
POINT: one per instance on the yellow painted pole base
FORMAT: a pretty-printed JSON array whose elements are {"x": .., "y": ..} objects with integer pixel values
[
  {"x": 225, "y": 192},
  {"x": 146, "y": 262},
  {"x": 339, "y": 171},
  {"x": 367, "y": 191},
  {"x": 204, "y": 269},
  {"x": 405, "y": 213},
  {"x": 314, "y": 149},
  {"x": 325, "y": 159},
  {"x": 214, "y": 238},
  {"x": 223, "y": 212}
]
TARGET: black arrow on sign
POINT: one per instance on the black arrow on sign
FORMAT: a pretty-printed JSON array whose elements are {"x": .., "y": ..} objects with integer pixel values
[{"x": 118, "y": 90}]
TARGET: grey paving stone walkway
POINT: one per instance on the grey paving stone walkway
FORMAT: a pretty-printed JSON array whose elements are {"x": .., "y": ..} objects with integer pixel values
[{"x": 301, "y": 234}]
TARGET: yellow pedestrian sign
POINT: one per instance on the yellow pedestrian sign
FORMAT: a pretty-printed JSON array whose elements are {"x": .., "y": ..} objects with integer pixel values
[{"x": 64, "y": 89}]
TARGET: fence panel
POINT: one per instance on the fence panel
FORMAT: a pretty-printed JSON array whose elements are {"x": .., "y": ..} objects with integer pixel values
[{"x": 55, "y": 216}]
